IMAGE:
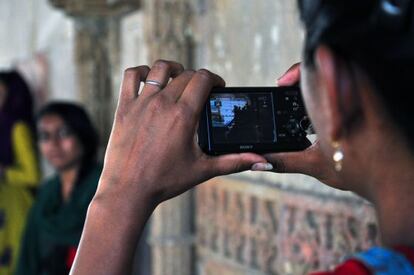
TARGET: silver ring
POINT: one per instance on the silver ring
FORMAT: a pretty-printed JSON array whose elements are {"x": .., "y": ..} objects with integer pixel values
[{"x": 154, "y": 83}]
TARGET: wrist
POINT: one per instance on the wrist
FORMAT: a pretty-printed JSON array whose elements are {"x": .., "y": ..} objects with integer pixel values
[{"x": 117, "y": 197}]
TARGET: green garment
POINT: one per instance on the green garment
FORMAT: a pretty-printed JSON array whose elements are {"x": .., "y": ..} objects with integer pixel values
[
  {"x": 15, "y": 195},
  {"x": 55, "y": 226}
]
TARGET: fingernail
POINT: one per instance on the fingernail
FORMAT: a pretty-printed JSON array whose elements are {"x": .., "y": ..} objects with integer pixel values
[
  {"x": 279, "y": 78},
  {"x": 262, "y": 167}
]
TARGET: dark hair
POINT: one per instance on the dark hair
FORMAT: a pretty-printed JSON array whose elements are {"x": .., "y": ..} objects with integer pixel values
[
  {"x": 76, "y": 118},
  {"x": 18, "y": 107},
  {"x": 375, "y": 35}
]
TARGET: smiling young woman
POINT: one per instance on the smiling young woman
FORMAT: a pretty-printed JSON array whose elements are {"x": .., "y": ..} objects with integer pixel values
[{"x": 68, "y": 141}]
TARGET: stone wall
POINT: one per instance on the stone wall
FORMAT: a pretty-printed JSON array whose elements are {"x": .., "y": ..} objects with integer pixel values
[
  {"x": 247, "y": 42},
  {"x": 31, "y": 28},
  {"x": 264, "y": 223},
  {"x": 246, "y": 228}
]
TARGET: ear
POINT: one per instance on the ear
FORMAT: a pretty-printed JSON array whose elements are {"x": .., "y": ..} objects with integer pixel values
[{"x": 340, "y": 97}]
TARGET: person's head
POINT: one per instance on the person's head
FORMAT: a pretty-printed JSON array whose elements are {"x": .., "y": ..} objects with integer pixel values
[
  {"x": 15, "y": 97},
  {"x": 16, "y": 105},
  {"x": 3, "y": 94},
  {"x": 67, "y": 138},
  {"x": 356, "y": 78}
]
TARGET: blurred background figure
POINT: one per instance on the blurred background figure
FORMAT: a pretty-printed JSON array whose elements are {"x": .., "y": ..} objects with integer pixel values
[
  {"x": 69, "y": 142},
  {"x": 19, "y": 173}
]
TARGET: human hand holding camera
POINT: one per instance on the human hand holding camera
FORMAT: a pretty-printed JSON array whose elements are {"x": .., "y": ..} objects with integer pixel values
[
  {"x": 152, "y": 156},
  {"x": 309, "y": 161},
  {"x": 152, "y": 148}
]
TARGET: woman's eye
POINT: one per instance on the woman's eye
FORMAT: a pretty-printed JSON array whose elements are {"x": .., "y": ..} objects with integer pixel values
[
  {"x": 43, "y": 136},
  {"x": 64, "y": 133},
  {"x": 61, "y": 133}
]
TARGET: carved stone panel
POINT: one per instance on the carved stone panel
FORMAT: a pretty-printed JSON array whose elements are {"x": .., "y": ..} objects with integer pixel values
[{"x": 247, "y": 228}]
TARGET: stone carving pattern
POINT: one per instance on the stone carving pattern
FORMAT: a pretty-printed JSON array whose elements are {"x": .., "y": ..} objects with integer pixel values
[{"x": 288, "y": 234}]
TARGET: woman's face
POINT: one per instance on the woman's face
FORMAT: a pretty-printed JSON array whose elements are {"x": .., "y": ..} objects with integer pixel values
[
  {"x": 3, "y": 95},
  {"x": 58, "y": 144}
]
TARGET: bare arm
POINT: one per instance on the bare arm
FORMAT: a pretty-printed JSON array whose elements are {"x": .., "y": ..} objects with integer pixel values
[
  {"x": 111, "y": 232},
  {"x": 152, "y": 156}
]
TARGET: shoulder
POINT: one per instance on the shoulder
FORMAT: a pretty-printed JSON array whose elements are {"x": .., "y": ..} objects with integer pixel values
[
  {"x": 86, "y": 189},
  {"x": 352, "y": 266},
  {"x": 21, "y": 126},
  {"x": 91, "y": 178},
  {"x": 387, "y": 261},
  {"x": 48, "y": 188},
  {"x": 46, "y": 195},
  {"x": 94, "y": 173},
  {"x": 377, "y": 260},
  {"x": 21, "y": 130},
  {"x": 96, "y": 170}
]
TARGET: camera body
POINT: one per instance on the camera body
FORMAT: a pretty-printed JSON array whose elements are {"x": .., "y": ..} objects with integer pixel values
[{"x": 253, "y": 119}]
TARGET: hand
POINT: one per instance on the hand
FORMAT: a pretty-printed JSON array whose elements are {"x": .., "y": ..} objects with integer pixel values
[
  {"x": 311, "y": 161},
  {"x": 152, "y": 148}
]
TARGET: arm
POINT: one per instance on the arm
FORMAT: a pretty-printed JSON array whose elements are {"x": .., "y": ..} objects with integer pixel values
[
  {"x": 25, "y": 170},
  {"x": 152, "y": 156}
]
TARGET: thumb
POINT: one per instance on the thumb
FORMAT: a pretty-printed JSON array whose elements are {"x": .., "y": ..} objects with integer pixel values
[
  {"x": 291, "y": 77},
  {"x": 302, "y": 162},
  {"x": 234, "y": 163},
  {"x": 296, "y": 162}
]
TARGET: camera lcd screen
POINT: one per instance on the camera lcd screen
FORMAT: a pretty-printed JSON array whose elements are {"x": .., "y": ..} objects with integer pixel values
[{"x": 242, "y": 118}]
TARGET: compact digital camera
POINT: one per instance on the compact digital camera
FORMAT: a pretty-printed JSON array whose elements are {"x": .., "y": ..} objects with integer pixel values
[{"x": 254, "y": 119}]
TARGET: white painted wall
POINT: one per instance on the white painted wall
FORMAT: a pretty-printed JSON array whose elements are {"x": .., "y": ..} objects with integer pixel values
[{"x": 33, "y": 27}]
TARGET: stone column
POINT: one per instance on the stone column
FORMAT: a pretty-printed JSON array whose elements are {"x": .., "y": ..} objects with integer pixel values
[
  {"x": 168, "y": 34},
  {"x": 94, "y": 68},
  {"x": 97, "y": 26}
]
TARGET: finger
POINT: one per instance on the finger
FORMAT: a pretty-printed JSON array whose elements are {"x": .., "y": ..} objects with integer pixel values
[
  {"x": 302, "y": 162},
  {"x": 233, "y": 163},
  {"x": 176, "y": 87},
  {"x": 131, "y": 82},
  {"x": 198, "y": 89},
  {"x": 160, "y": 73},
  {"x": 291, "y": 77}
]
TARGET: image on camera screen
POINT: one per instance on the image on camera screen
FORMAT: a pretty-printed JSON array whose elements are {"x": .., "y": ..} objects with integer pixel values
[{"x": 242, "y": 118}]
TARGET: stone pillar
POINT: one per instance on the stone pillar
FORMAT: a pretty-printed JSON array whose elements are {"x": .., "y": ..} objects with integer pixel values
[
  {"x": 172, "y": 242},
  {"x": 168, "y": 27},
  {"x": 97, "y": 26},
  {"x": 96, "y": 57}
]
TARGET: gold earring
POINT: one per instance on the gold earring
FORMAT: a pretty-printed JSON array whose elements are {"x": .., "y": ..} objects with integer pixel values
[{"x": 338, "y": 156}]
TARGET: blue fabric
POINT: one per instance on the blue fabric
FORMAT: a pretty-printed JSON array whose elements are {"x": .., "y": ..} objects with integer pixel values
[{"x": 382, "y": 261}]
